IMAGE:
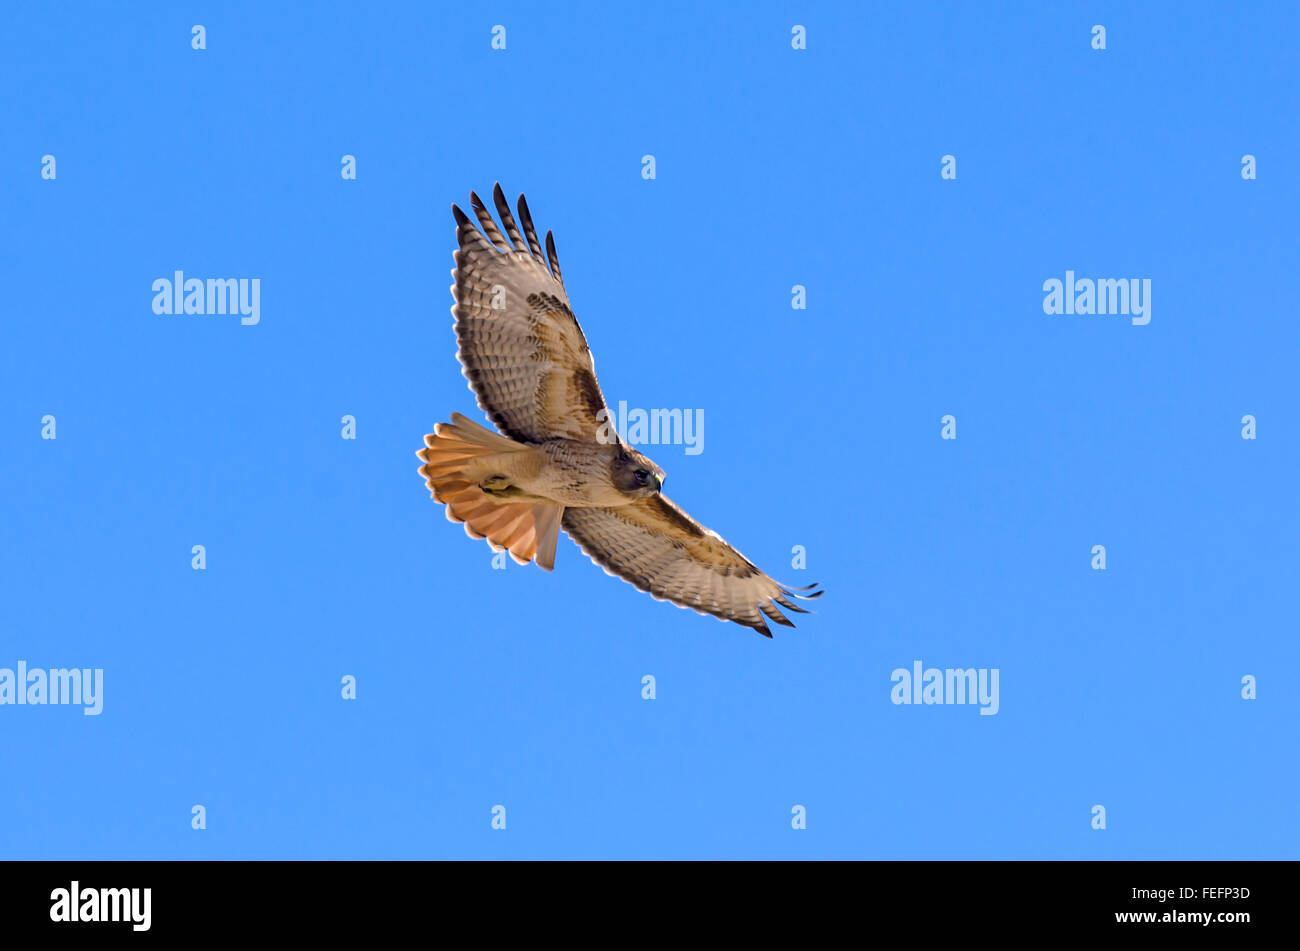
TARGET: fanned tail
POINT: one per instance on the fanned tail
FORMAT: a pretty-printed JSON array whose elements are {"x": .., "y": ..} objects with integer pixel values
[{"x": 455, "y": 456}]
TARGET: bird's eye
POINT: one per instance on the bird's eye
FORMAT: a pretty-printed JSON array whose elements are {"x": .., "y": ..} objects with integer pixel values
[{"x": 642, "y": 477}]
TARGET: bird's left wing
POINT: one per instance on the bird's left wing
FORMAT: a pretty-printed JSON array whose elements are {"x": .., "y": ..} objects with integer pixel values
[{"x": 660, "y": 549}]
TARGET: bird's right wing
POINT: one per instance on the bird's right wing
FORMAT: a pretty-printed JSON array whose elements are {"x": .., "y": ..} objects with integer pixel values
[{"x": 521, "y": 348}]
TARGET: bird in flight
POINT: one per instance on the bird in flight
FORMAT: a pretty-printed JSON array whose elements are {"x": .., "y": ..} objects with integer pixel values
[{"x": 557, "y": 462}]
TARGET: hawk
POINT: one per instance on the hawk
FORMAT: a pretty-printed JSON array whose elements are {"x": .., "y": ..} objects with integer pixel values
[{"x": 556, "y": 462}]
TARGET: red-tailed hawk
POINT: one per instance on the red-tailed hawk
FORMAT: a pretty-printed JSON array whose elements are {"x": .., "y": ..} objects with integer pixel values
[{"x": 557, "y": 463}]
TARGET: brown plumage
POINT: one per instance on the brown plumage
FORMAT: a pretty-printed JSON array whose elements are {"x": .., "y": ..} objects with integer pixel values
[{"x": 557, "y": 461}]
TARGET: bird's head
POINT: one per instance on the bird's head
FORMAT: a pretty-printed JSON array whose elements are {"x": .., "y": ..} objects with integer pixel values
[{"x": 634, "y": 475}]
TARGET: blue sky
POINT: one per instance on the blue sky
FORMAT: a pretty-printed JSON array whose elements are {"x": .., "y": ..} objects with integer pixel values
[{"x": 774, "y": 167}]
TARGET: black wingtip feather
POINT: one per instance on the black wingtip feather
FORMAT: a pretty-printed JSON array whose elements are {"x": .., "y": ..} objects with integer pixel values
[
  {"x": 809, "y": 588},
  {"x": 554, "y": 258},
  {"x": 507, "y": 219},
  {"x": 789, "y": 605},
  {"x": 489, "y": 227},
  {"x": 773, "y": 612},
  {"x": 530, "y": 232}
]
